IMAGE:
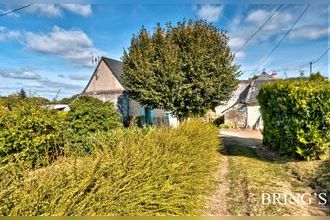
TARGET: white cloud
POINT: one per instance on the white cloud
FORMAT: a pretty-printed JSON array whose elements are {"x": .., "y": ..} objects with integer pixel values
[
  {"x": 48, "y": 83},
  {"x": 79, "y": 76},
  {"x": 278, "y": 21},
  {"x": 235, "y": 42},
  {"x": 56, "y": 10},
  {"x": 50, "y": 10},
  {"x": 310, "y": 32},
  {"x": 58, "y": 40},
  {"x": 72, "y": 45},
  {"x": 240, "y": 55},
  {"x": 257, "y": 17},
  {"x": 276, "y": 26},
  {"x": 209, "y": 13},
  {"x": 84, "y": 10},
  {"x": 20, "y": 74},
  {"x": 6, "y": 34}
]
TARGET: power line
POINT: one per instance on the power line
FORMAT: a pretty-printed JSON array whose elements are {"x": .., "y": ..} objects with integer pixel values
[
  {"x": 298, "y": 67},
  {"x": 17, "y": 9},
  {"x": 325, "y": 52},
  {"x": 265, "y": 22},
  {"x": 312, "y": 62},
  {"x": 282, "y": 39}
]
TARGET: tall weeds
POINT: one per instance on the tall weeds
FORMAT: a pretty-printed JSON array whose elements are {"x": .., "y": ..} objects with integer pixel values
[{"x": 157, "y": 171}]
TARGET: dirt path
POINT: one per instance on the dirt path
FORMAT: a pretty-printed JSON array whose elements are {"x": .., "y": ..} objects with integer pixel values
[
  {"x": 246, "y": 171},
  {"x": 217, "y": 203}
]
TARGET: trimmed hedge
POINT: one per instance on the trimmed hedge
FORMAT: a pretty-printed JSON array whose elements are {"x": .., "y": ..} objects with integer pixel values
[
  {"x": 151, "y": 171},
  {"x": 296, "y": 115}
]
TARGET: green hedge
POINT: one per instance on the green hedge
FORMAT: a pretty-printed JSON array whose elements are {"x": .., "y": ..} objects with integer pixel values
[
  {"x": 150, "y": 171},
  {"x": 296, "y": 115}
]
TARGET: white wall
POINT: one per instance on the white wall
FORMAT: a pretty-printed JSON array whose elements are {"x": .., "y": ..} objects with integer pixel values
[
  {"x": 253, "y": 114},
  {"x": 173, "y": 121}
]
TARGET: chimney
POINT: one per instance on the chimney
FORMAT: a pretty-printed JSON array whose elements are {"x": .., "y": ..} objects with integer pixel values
[{"x": 274, "y": 75}]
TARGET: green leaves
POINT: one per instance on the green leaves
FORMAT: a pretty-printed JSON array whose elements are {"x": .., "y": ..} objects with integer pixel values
[
  {"x": 37, "y": 135},
  {"x": 30, "y": 133},
  {"x": 296, "y": 117},
  {"x": 186, "y": 69},
  {"x": 87, "y": 116}
]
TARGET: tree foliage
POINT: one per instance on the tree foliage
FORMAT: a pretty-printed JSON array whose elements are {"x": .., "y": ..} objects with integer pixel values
[
  {"x": 186, "y": 69},
  {"x": 22, "y": 94},
  {"x": 317, "y": 76},
  {"x": 68, "y": 100},
  {"x": 16, "y": 100}
]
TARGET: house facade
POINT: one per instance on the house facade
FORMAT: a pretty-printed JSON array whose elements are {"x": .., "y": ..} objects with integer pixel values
[
  {"x": 106, "y": 84},
  {"x": 243, "y": 110}
]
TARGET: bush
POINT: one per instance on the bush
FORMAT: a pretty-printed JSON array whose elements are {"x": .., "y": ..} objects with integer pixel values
[
  {"x": 219, "y": 120},
  {"x": 150, "y": 171},
  {"x": 30, "y": 133},
  {"x": 296, "y": 115},
  {"x": 87, "y": 116},
  {"x": 16, "y": 100}
]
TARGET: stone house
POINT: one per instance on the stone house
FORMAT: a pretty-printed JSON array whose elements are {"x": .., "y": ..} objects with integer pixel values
[
  {"x": 106, "y": 84},
  {"x": 243, "y": 110}
]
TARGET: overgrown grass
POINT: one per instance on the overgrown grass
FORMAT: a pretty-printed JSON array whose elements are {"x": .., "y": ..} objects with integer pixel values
[
  {"x": 248, "y": 178},
  {"x": 315, "y": 174},
  {"x": 158, "y": 171},
  {"x": 253, "y": 171}
]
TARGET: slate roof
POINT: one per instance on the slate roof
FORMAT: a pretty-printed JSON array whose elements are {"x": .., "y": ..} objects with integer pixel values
[
  {"x": 263, "y": 76},
  {"x": 254, "y": 90},
  {"x": 116, "y": 68},
  {"x": 243, "y": 94}
]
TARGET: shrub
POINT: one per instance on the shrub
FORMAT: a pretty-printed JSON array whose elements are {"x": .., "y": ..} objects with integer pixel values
[
  {"x": 30, "y": 133},
  {"x": 87, "y": 116},
  {"x": 150, "y": 171},
  {"x": 16, "y": 100},
  {"x": 219, "y": 120},
  {"x": 296, "y": 115}
]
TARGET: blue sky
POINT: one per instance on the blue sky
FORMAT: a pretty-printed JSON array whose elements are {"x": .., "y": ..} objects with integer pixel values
[{"x": 48, "y": 48}]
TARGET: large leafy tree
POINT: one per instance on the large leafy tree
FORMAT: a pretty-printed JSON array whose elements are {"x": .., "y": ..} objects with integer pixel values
[{"x": 186, "y": 69}]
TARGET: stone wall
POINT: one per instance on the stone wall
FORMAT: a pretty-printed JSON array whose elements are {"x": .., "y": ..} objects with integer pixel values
[{"x": 236, "y": 116}]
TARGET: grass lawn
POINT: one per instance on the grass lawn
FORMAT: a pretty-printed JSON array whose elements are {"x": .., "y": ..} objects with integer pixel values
[{"x": 254, "y": 170}]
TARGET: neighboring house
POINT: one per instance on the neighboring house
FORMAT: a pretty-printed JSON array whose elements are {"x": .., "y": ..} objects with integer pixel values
[
  {"x": 106, "y": 84},
  {"x": 242, "y": 110}
]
